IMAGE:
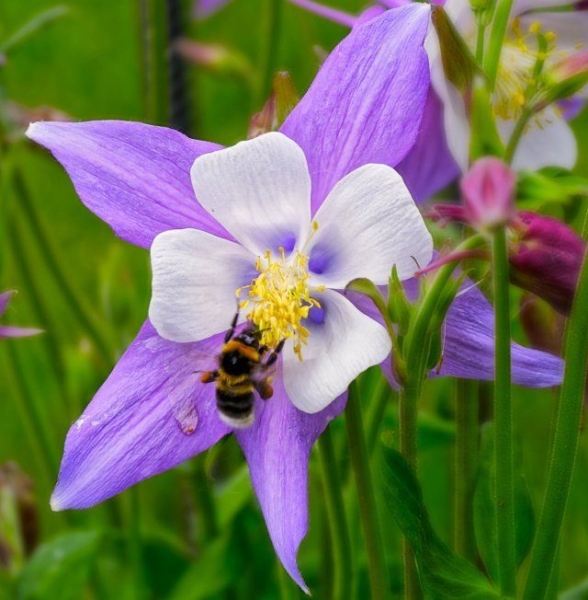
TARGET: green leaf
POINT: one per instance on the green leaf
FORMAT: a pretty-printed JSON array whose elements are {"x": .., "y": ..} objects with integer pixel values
[
  {"x": 580, "y": 592},
  {"x": 458, "y": 63},
  {"x": 484, "y": 519},
  {"x": 59, "y": 569},
  {"x": 443, "y": 574}
]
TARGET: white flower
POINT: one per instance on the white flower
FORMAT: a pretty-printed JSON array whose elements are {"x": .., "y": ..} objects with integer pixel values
[
  {"x": 287, "y": 267},
  {"x": 548, "y": 139}
]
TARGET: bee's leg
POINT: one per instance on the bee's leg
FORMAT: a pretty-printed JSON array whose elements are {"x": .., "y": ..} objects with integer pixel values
[
  {"x": 264, "y": 389},
  {"x": 231, "y": 332},
  {"x": 273, "y": 357},
  {"x": 209, "y": 376}
]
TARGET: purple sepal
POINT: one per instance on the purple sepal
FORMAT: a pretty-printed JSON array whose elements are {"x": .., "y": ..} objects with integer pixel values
[
  {"x": 136, "y": 177},
  {"x": 429, "y": 166},
  {"x": 468, "y": 342},
  {"x": 134, "y": 427},
  {"x": 468, "y": 346},
  {"x": 366, "y": 103},
  {"x": 5, "y": 298},
  {"x": 12, "y": 331},
  {"x": 277, "y": 448}
]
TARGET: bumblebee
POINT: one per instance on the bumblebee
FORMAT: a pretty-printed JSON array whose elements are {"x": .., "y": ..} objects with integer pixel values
[{"x": 244, "y": 366}]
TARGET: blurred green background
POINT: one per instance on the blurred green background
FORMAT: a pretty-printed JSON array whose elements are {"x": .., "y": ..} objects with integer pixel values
[{"x": 89, "y": 291}]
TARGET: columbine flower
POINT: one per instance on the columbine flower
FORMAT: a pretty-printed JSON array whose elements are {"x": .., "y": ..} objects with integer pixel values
[
  {"x": 548, "y": 139},
  {"x": 285, "y": 268},
  {"x": 363, "y": 109},
  {"x": 10, "y": 330}
]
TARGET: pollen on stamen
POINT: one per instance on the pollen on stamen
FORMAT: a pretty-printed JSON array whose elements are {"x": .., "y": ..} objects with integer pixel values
[{"x": 280, "y": 299}]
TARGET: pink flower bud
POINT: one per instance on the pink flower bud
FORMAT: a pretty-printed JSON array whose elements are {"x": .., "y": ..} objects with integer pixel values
[
  {"x": 545, "y": 258},
  {"x": 488, "y": 193}
]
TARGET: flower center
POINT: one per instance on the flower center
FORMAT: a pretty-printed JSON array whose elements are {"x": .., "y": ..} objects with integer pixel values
[
  {"x": 520, "y": 68},
  {"x": 279, "y": 298}
]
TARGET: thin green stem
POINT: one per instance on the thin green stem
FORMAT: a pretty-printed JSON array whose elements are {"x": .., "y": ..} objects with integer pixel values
[
  {"x": 343, "y": 566},
  {"x": 515, "y": 136},
  {"x": 565, "y": 445},
  {"x": 480, "y": 35},
  {"x": 465, "y": 464},
  {"x": 496, "y": 39},
  {"x": 34, "y": 426},
  {"x": 407, "y": 416},
  {"x": 270, "y": 41},
  {"x": 61, "y": 274},
  {"x": 366, "y": 496},
  {"x": 205, "y": 501},
  {"x": 503, "y": 447}
]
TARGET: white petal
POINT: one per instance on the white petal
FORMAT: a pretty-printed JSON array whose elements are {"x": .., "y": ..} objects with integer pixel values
[
  {"x": 368, "y": 223},
  {"x": 259, "y": 190},
  {"x": 455, "y": 118},
  {"x": 195, "y": 277},
  {"x": 338, "y": 350},
  {"x": 552, "y": 143}
]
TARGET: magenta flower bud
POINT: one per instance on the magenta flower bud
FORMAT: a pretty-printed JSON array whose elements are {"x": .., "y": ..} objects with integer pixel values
[
  {"x": 488, "y": 193},
  {"x": 545, "y": 258}
]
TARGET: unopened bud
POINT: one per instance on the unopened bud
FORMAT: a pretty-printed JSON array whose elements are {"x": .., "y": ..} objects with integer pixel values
[
  {"x": 278, "y": 106},
  {"x": 488, "y": 193},
  {"x": 215, "y": 57},
  {"x": 545, "y": 257}
]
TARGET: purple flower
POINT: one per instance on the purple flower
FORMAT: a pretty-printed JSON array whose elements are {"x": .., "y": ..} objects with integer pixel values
[
  {"x": 360, "y": 117},
  {"x": 9, "y": 330},
  {"x": 206, "y": 8}
]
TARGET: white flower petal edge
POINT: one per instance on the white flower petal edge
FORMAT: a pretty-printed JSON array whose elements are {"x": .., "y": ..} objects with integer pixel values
[
  {"x": 368, "y": 223},
  {"x": 195, "y": 276},
  {"x": 338, "y": 350},
  {"x": 259, "y": 190},
  {"x": 552, "y": 143}
]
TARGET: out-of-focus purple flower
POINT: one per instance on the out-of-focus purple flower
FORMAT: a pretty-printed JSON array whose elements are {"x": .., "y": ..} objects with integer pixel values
[
  {"x": 545, "y": 257},
  {"x": 7, "y": 331},
  {"x": 488, "y": 193},
  {"x": 206, "y": 8},
  {"x": 364, "y": 108}
]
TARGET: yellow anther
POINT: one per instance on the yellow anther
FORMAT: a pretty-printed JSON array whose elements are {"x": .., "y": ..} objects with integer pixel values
[{"x": 280, "y": 299}]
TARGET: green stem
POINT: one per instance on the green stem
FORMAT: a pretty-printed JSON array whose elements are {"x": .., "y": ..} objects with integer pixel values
[
  {"x": 60, "y": 273},
  {"x": 32, "y": 421},
  {"x": 343, "y": 566},
  {"x": 407, "y": 416},
  {"x": 366, "y": 496},
  {"x": 205, "y": 502},
  {"x": 565, "y": 445},
  {"x": 496, "y": 39},
  {"x": 270, "y": 47},
  {"x": 415, "y": 337},
  {"x": 155, "y": 67},
  {"x": 503, "y": 450},
  {"x": 381, "y": 396},
  {"x": 465, "y": 464},
  {"x": 515, "y": 136},
  {"x": 480, "y": 35}
]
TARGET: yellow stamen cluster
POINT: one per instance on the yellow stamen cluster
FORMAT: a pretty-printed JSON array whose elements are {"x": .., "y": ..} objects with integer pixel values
[
  {"x": 280, "y": 299},
  {"x": 516, "y": 72}
]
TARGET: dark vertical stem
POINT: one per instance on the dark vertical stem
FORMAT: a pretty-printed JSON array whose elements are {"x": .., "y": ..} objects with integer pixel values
[{"x": 179, "y": 104}]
